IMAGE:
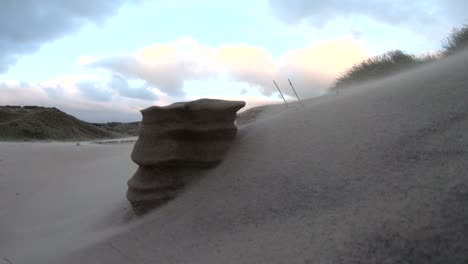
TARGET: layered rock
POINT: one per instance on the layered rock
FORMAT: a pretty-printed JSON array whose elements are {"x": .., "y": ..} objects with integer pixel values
[{"x": 176, "y": 144}]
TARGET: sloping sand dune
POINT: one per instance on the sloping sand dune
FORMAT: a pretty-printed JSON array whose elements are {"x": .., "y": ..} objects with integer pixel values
[{"x": 375, "y": 174}]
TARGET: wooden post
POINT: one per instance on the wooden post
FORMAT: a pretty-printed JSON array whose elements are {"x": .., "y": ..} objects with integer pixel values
[
  {"x": 296, "y": 93},
  {"x": 281, "y": 93}
]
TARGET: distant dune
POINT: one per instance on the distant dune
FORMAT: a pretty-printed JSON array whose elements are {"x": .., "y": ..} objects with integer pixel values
[
  {"x": 26, "y": 123},
  {"x": 130, "y": 129},
  {"x": 43, "y": 123}
]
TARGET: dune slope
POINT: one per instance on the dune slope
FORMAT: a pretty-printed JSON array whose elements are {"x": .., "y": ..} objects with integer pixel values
[
  {"x": 375, "y": 174},
  {"x": 43, "y": 123}
]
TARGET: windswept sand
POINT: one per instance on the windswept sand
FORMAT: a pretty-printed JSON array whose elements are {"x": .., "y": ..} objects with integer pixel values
[
  {"x": 56, "y": 196},
  {"x": 375, "y": 174}
]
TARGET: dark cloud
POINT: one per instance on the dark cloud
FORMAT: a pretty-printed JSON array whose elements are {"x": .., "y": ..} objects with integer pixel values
[
  {"x": 25, "y": 25},
  {"x": 418, "y": 15},
  {"x": 121, "y": 85},
  {"x": 91, "y": 90}
]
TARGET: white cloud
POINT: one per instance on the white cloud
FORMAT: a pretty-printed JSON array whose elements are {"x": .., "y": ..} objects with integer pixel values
[
  {"x": 88, "y": 98},
  {"x": 84, "y": 60},
  {"x": 163, "y": 66},
  {"x": 169, "y": 66},
  {"x": 161, "y": 74},
  {"x": 248, "y": 64}
]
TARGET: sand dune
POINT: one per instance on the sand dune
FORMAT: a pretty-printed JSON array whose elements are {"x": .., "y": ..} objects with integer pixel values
[{"x": 375, "y": 174}]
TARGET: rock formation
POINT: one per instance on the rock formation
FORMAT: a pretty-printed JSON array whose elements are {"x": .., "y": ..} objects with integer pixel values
[{"x": 176, "y": 144}]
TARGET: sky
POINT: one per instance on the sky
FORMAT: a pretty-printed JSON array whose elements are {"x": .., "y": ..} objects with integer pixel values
[{"x": 104, "y": 61}]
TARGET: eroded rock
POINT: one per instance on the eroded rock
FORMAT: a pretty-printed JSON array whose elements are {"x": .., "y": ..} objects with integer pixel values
[{"x": 176, "y": 144}]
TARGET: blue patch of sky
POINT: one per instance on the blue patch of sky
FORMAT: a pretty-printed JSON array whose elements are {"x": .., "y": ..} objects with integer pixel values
[{"x": 91, "y": 90}]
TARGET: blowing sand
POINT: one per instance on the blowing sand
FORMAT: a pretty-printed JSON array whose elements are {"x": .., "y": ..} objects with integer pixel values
[{"x": 375, "y": 174}]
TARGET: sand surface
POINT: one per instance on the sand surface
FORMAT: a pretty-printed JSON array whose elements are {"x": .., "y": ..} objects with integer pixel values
[
  {"x": 375, "y": 174},
  {"x": 57, "y": 196}
]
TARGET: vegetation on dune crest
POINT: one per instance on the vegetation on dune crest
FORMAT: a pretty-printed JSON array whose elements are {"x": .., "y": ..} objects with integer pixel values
[
  {"x": 380, "y": 66},
  {"x": 457, "y": 41},
  {"x": 396, "y": 61}
]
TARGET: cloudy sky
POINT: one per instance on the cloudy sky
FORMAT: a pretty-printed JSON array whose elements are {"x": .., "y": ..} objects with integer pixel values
[{"x": 105, "y": 60}]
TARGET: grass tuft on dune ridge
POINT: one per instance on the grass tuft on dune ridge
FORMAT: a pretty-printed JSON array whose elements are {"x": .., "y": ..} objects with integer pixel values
[{"x": 396, "y": 61}]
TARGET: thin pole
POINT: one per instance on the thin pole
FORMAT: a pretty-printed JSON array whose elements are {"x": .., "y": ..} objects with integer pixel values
[
  {"x": 296, "y": 93},
  {"x": 281, "y": 93}
]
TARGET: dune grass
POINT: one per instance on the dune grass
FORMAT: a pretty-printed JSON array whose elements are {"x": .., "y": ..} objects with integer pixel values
[
  {"x": 395, "y": 61},
  {"x": 380, "y": 66},
  {"x": 457, "y": 40}
]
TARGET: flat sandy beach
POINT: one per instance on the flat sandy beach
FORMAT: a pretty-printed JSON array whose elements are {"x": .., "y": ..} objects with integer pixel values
[
  {"x": 374, "y": 174},
  {"x": 53, "y": 194}
]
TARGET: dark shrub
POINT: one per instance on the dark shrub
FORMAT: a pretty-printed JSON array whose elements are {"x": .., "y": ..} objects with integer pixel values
[
  {"x": 380, "y": 66},
  {"x": 457, "y": 41},
  {"x": 31, "y": 107}
]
